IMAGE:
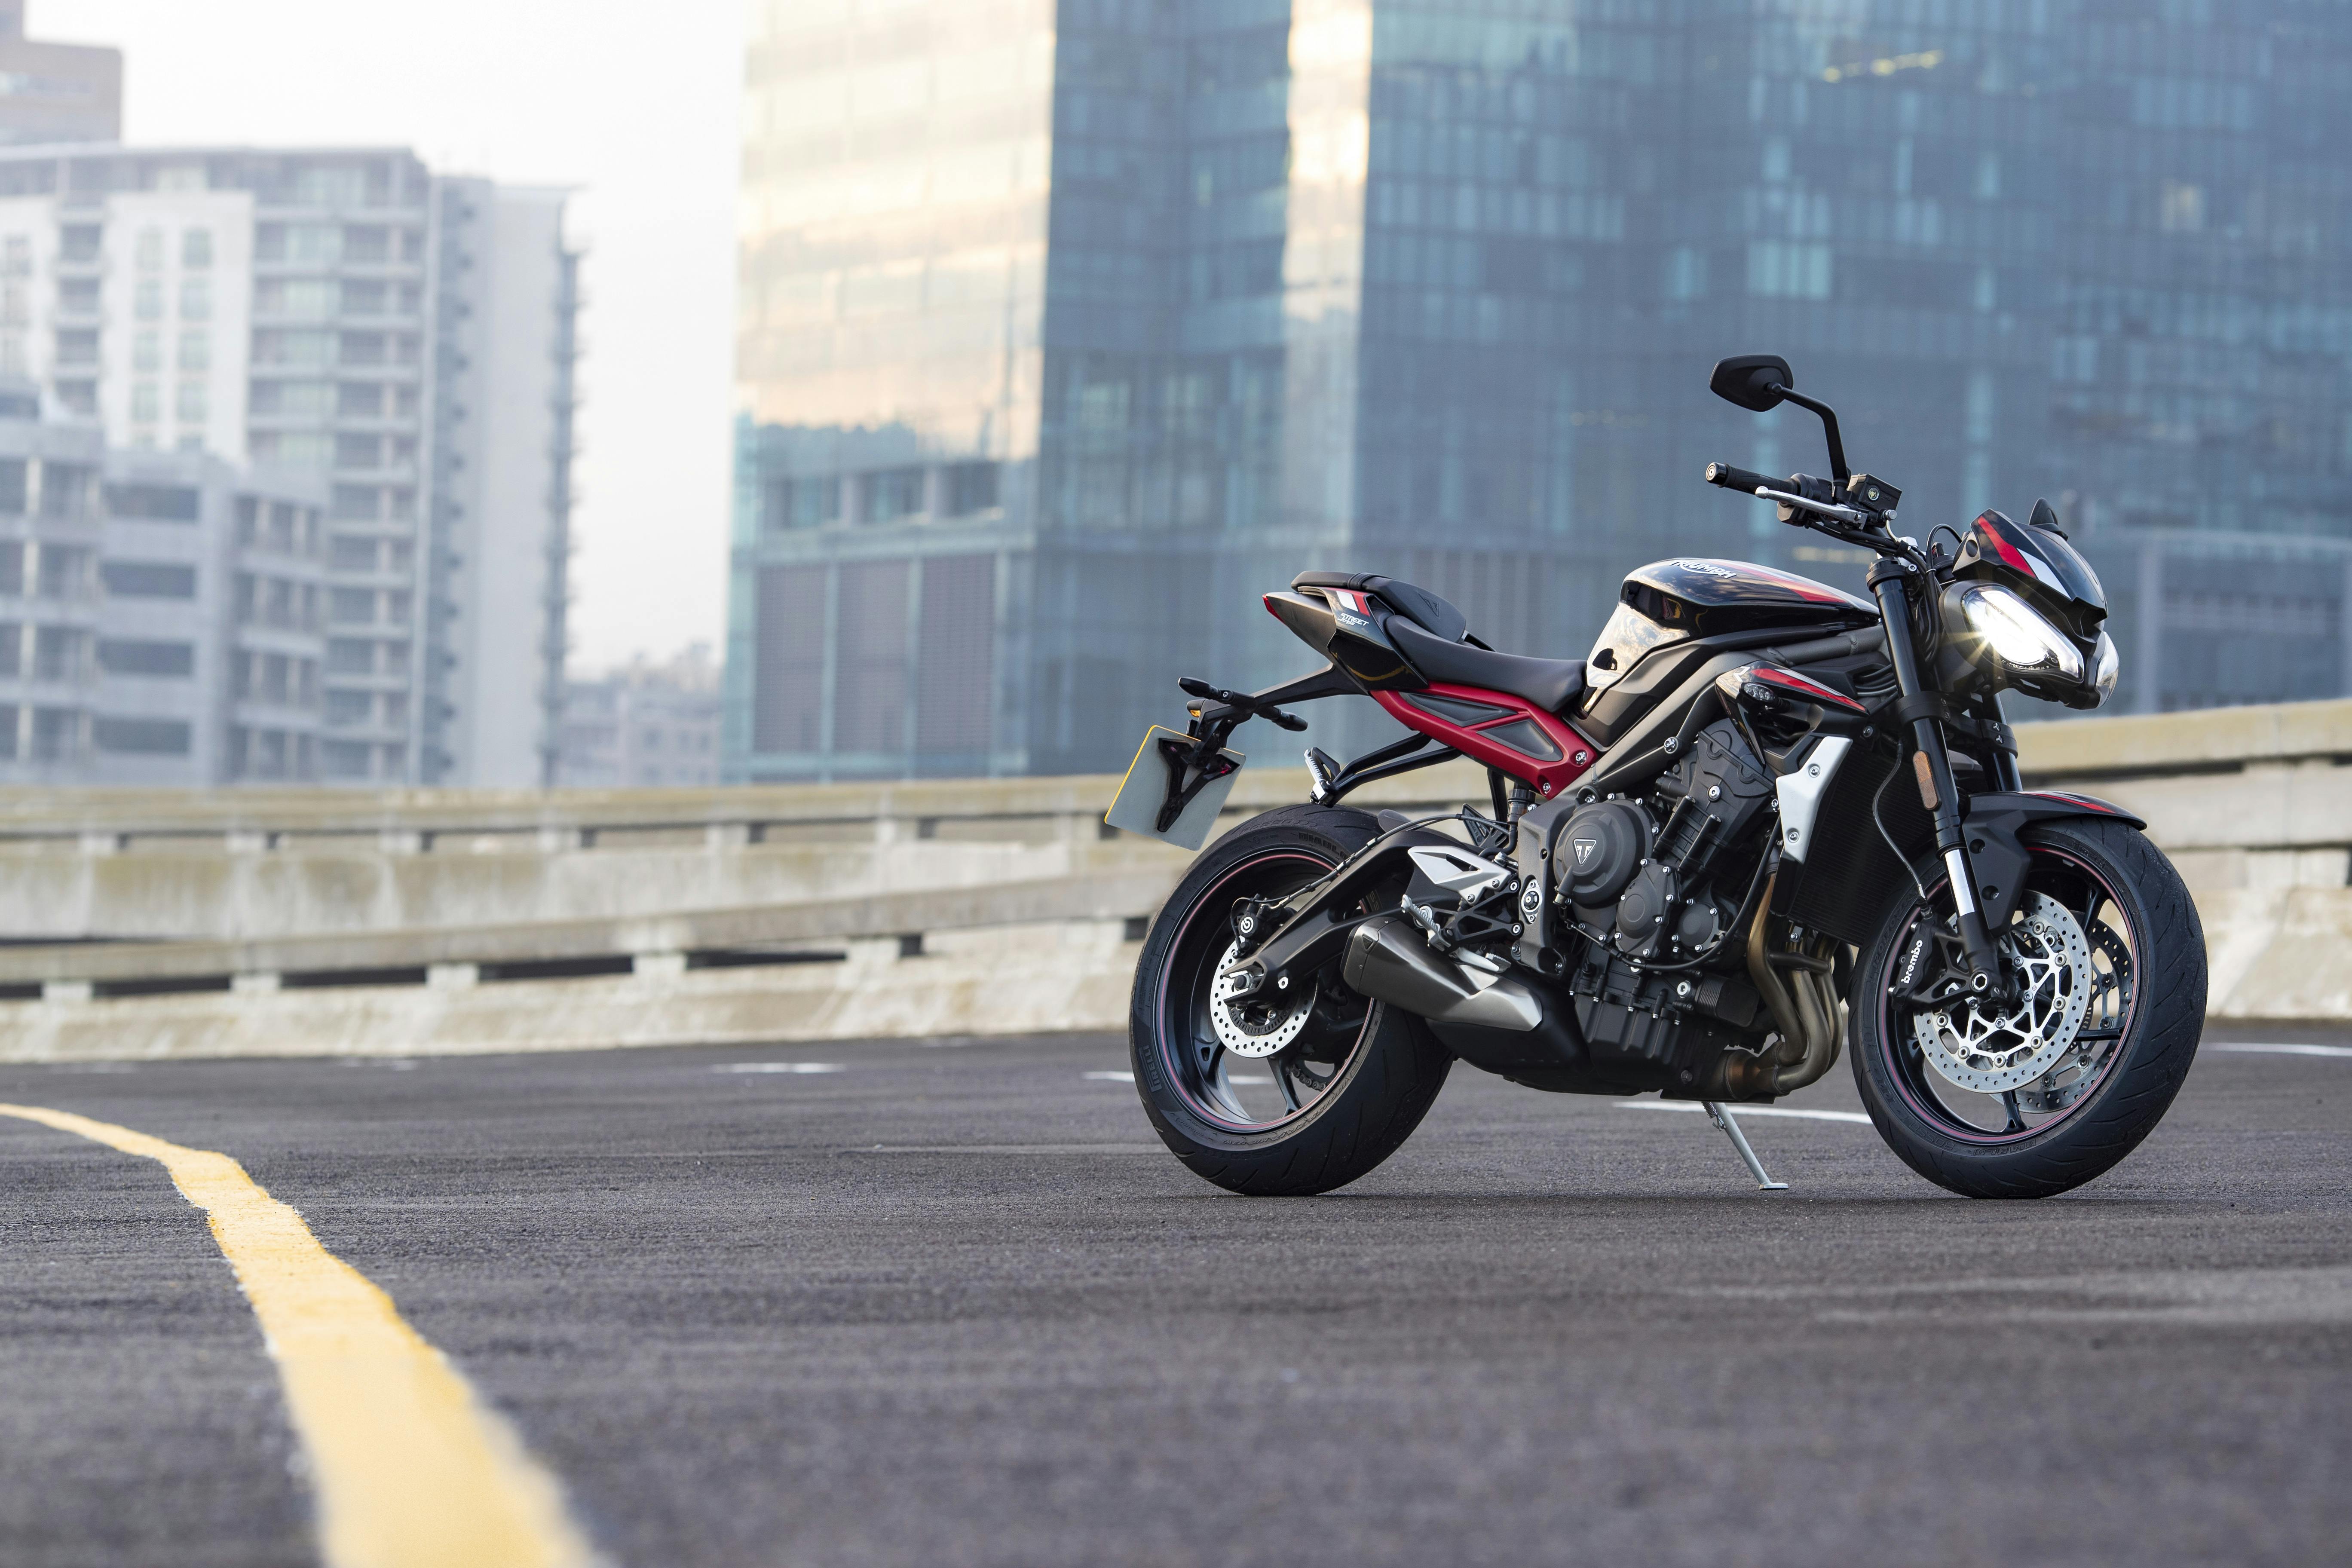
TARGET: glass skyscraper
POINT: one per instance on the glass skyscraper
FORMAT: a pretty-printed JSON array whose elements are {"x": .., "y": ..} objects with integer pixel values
[{"x": 1066, "y": 330}]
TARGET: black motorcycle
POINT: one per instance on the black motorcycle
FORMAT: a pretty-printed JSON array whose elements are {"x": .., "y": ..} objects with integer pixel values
[{"x": 1764, "y": 819}]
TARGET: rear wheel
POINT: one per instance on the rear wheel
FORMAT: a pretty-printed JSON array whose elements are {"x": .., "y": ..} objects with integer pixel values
[
  {"x": 2033, "y": 1097},
  {"x": 1271, "y": 1097}
]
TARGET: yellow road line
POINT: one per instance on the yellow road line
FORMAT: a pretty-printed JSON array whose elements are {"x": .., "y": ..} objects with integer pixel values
[{"x": 413, "y": 1470}]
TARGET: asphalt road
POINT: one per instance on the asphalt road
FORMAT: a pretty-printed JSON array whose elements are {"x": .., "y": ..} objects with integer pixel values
[{"x": 949, "y": 1305}]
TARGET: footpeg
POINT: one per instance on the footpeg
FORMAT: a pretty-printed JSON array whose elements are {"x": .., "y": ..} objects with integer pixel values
[{"x": 1721, "y": 1115}]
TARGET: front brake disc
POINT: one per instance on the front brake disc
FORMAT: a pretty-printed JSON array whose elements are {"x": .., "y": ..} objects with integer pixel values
[{"x": 1973, "y": 1047}]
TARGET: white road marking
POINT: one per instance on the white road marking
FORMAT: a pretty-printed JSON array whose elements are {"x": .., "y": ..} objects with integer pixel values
[
  {"x": 2277, "y": 1051},
  {"x": 777, "y": 1066},
  {"x": 1743, "y": 1110},
  {"x": 1108, "y": 1077}
]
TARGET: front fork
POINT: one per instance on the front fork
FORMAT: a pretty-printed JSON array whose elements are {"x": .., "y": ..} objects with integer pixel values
[{"x": 1890, "y": 580}]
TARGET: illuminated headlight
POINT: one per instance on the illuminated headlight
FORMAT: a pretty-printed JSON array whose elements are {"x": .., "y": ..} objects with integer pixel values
[
  {"x": 2105, "y": 665},
  {"x": 2022, "y": 637}
]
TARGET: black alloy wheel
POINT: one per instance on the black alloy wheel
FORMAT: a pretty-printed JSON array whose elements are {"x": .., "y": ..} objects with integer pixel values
[
  {"x": 2036, "y": 1096},
  {"x": 1284, "y": 1095}
]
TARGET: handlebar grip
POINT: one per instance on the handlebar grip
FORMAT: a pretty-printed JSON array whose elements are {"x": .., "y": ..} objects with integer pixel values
[{"x": 1740, "y": 479}]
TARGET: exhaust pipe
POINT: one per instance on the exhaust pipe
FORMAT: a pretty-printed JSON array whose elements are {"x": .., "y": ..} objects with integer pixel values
[
  {"x": 1805, "y": 1010},
  {"x": 1389, "y": 961}
]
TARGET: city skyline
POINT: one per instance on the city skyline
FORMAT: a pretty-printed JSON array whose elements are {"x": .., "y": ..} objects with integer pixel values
[{"x": 653, "y": 204}]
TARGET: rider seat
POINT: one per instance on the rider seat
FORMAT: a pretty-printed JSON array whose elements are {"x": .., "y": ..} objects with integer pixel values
[{"x": 1436, "y": 638}]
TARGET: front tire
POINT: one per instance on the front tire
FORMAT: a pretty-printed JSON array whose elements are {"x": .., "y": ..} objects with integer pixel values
[
  {"x": 1350, "y": 1078},
  {"x": 2108, "y": 1030}
]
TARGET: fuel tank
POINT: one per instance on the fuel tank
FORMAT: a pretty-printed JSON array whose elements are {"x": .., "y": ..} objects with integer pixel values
[{"x": 1669, "y": 611}]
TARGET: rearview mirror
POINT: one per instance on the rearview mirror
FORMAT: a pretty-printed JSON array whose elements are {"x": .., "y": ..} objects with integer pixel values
[{"x": 1752, "y": 381}]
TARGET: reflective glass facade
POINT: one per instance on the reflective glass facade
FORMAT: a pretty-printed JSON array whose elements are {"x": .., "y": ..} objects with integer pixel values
[{"x": 1069, "y": 328}]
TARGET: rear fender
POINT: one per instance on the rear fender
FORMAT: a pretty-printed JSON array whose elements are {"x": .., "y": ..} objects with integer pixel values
[{"x": 1994, "y": 826}]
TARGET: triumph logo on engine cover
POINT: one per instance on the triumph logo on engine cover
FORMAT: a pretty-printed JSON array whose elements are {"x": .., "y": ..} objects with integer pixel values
[{"x": 1585, "y": 849}]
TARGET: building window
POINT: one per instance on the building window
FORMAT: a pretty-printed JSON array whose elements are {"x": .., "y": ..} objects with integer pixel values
[
  {"x": 12, "y": 648},
  {"x": 155, "y": 503},
  {"x": 195, "y": 351},
  {"x": 359, "y": 451},
  {"x": 351, "y": 606},
  {"x": 346, "y": 656},
  {"x": 150, "y": 251},
  {"x": 893, "y": 493},
  {"x": 353, "y": 503},
  {"x": 57, "y": 653},
  {"x": 147, "y": 301},
  {"x": 146, "y": 403},
  {"x": 195, "y": 299},
  {"x": 12, "y": 490},
  {"x": 358, "y": 400},
  {"x": 196, "y": 249},
  {"x": 17, "y": 256},
  {"x": 348, "y": 707},
  {"x": 161, "y": 659},
  {"x": 363, "y": 348},
  {"x": 190, "y": 403},
  {"x": 363, "y": 299},
  {"x": 64, "y": 490},
  {"x": 148, "y": 580},
  {"x": 79, "y": 347},
  {"x": 972, "y": 488},
  {"x": 78, "y": 243},
  {"x": 147, "y": 351},
  {"x": 57, "y": 734},
  {"x": 348, "y": 554},
  {"x": 79, "y": 398},
  {"x": 78, "y": 297},
  {"x": 291, "y": 347},
  {"x": 367, "y": 243},
  {"x": 144, "y": 737}
]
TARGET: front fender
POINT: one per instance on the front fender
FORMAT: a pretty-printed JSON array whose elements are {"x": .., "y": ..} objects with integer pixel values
[{"x": 1993, "y": 826}]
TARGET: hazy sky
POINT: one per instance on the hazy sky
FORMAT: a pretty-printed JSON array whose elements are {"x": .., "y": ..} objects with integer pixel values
[{"x": 632, "y": 104}]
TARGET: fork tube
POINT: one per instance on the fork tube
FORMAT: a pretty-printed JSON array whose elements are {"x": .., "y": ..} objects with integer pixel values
[{"x": 1890, "y": 580}]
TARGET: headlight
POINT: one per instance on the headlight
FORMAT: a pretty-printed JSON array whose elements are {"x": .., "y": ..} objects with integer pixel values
[{"x": 2021, "y": 636}]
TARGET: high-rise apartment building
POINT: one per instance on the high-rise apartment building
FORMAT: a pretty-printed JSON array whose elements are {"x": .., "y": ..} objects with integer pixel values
[
  {"x": 160, "y": 612},
  {"x": 56, "y": 92},
  {"x": 407, "y": 340},
  {"x": 1066, "y": 330}
]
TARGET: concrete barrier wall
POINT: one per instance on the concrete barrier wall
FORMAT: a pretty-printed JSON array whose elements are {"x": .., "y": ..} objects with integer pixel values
[{"x": 300, "y": 922}]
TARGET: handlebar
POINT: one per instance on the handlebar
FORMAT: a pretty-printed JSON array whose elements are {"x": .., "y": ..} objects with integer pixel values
[{"x": 1742, "y": 479}]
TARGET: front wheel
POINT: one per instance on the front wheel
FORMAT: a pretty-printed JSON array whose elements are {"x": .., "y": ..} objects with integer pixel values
[
  {"x": 1271, "y": 1097},
  {"x": 2037, "y": 1096}
]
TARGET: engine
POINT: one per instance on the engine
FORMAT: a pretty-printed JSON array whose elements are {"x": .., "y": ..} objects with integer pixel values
[{"x": 1656, "y": 892}]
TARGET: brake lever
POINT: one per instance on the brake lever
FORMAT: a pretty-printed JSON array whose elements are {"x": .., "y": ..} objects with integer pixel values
[{"x": 1845, "y": 514}]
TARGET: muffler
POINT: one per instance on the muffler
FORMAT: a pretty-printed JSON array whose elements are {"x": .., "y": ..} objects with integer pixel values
[{"x": 1389, "y": 960}]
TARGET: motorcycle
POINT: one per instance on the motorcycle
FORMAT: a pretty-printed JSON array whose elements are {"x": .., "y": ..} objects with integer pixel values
[{"x": 1763, "y": 823}]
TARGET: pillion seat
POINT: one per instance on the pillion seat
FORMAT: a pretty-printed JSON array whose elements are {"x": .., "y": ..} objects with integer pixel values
[{"x": 1435, "y": 638}]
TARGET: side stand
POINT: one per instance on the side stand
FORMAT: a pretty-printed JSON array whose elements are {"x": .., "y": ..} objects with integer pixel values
[{"x": 1722, "y": 1118}]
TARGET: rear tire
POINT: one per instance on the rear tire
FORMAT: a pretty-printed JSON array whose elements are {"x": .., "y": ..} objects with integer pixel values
[
  {"x": 1384, "y": 1071},
  {"x": 2095, "y": 1113}
]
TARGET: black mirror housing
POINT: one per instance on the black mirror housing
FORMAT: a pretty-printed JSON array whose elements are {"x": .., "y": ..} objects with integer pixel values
[{"x": 1754, "y": 382}]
